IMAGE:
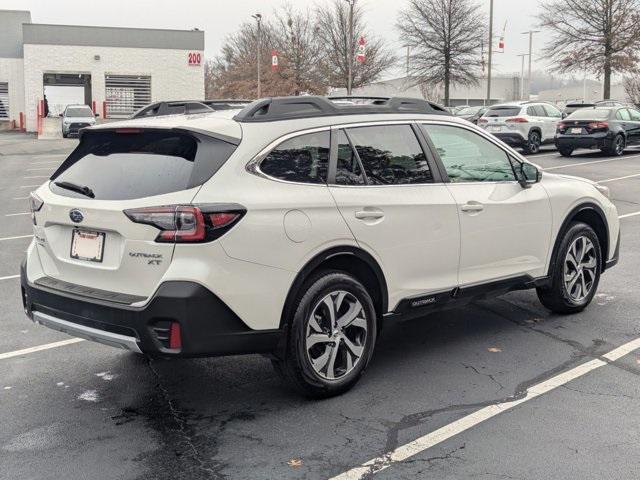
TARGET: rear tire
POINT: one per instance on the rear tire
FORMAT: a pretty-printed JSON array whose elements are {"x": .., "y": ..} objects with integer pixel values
[
  {"x": 533, "y": 143},
  {"x": 332, "y": 336},
  {"x": 565, "y": 152},
  {"x": 617, "y": 146},
  {"x": 576, "y": 271}
]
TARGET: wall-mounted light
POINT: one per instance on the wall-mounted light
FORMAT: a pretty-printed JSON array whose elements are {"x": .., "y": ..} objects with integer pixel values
[{"x": 96, "y": 57}]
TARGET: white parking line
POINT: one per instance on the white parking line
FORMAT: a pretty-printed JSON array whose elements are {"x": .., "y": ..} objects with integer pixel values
[
  {"x": 40, "y": 168},
  {"x": 16, "y": 237},
  {"x": 38, "y": 176},
  {"x": 592, "y": 162},
  {"x": 20, "y": 198},
  {"x": 28, "y": 186},
  {"x": 533, "y": 157},
  {"x": 627, "y": 215},
  {"x": 39, "y": 348},
  {"x": 465, "y": 423},
  {"x": 16, "y": 214},
  {"x": 619, "y": 178},
  {"x": 9, "y": 277}
]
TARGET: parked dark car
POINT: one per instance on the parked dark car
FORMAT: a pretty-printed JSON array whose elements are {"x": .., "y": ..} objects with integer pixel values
[
  {"x": 472, "y": 114},
  {"x": 611, "y": 129},
  {"x": 573, "y": 106}
]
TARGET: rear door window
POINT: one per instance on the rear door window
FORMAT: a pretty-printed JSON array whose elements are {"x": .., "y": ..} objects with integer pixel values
[
  {"x": 348, "y": 169},
  {"x": 623, "y": 114},
  {"x": 552, "y": 111},
  {"x": 302, "y": 159},
  {"x": 140, "y": 163},
  {"x": 390, "y": 155}
]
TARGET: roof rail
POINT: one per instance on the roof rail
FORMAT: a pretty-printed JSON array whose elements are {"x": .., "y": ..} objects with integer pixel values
[
  {"x": 172, "y": 107},
  {"x": 287, "y": 108}
]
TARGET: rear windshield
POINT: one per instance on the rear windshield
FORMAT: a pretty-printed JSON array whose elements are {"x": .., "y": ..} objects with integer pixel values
[
  {"x": 78, "y": 112},
  {"x": 503, "y": 112},
  {"x": 468, "y": 111},
  {"x": 590, "y": 114},
  {"x": 121, "y": 165}
]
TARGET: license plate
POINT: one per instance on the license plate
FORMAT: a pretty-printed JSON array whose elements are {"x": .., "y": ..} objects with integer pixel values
[
  {"x": 494, "y": 129},
  {"x": 576, "y": 130},
  {"x": 87, "y": 245}
]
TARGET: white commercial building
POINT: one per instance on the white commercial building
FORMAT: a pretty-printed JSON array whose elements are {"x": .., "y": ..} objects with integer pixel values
[{"x": 113, "y": 70}]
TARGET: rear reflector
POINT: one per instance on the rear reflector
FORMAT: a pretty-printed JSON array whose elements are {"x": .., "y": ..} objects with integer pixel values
[{"x": 175, "y": 336}]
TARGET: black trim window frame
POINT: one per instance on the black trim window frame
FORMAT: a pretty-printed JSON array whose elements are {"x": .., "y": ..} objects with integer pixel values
[{"x": 434, "y": 167}]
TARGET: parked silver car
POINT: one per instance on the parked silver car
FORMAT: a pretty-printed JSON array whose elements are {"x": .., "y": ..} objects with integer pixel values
[
  {"x": 526, "y": 125},
  {"x": 76, "y": 117}
]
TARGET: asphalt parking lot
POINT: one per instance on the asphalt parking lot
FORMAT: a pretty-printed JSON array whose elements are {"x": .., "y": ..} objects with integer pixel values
[{"x": 501, "y": 389}]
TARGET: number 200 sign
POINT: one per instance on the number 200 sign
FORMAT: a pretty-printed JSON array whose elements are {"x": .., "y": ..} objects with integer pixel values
[{"x": 195, "y": 58}]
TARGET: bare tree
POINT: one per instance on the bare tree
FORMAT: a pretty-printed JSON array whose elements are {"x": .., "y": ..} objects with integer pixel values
[
  {"x": 445, "y": 37},
  {"x": 333, "y": 35},
  {"x": 598, "y": 36},
  {"x": 632, "y": 89},
  {"x": 300, "y": 53}
]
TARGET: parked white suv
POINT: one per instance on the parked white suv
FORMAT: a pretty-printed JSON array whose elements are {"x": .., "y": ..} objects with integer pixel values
[
  {"x": 526, "y": 125},
  {"x": 297, "y": 228}
]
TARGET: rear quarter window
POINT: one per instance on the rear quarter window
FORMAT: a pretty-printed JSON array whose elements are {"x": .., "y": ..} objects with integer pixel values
[{"x": 142, "y": 163}]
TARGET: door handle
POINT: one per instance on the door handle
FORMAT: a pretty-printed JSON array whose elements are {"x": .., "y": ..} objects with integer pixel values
[
  {"x": 472, "y": 207},
  {"x": 369, "y": 214}
]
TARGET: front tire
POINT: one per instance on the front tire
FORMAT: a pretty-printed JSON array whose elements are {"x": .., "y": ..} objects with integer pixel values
[
  {"x": 332, "y": 336},
  {"x": 576, "y": 272},
  {"x": 533, "y": 143}
]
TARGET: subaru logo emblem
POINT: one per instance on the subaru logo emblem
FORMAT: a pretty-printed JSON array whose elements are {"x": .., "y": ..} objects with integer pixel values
[{"x": 76, "y": 215}]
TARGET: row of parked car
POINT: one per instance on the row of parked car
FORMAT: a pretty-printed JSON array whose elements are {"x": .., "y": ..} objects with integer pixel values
[{"x": 608, "y": 125}]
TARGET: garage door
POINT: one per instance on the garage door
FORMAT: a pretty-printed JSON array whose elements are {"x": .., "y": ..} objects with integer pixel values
[
  {"x": 126, "y": 93},
  {"x": 4, "y": 101}
]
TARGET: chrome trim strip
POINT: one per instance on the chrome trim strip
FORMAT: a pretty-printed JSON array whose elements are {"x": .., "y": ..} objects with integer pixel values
[{"x": 88, "y": 333}]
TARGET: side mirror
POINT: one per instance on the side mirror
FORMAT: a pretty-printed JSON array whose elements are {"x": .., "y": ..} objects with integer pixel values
[
  {"x": 60, "y": 114},
  {"x": 527, "y": 174},
  {"x": 97, "y": 114}
]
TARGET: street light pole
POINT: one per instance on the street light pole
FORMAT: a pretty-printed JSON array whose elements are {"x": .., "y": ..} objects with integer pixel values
[
  {"x": 522, "y": 76},
  {"x": 530, "y": 33},
  {"x": 258, "y": 18},
  {"x": 490, "y": 52},
  {"x": 351, "y": 51}
]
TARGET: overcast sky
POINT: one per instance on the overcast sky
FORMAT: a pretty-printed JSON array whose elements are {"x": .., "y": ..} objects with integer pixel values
[{"x": 218, "y": 18}]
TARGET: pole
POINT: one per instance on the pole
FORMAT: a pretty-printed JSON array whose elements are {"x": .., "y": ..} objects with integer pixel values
[
  {"x": 351, "y": 51},
  {"x": 258, "y": 18},
  {"x": 490, "y": 52},
  {"x": 522, "y": 76},
  {"x": 530, "y": 33}
]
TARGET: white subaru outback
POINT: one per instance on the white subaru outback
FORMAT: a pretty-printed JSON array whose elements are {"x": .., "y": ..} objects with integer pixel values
[{"x": 297, "y": 228}]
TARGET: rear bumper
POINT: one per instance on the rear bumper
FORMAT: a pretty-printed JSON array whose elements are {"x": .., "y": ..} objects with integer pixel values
[
  {"x": 585, "y": 141},
  {"x": 512, "y": 139},
  {"x": 208, "y": 327}
]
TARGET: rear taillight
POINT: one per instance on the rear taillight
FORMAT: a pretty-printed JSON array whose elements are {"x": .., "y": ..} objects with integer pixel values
[
  {"x": 516, "y": 120},
  {"x": 187, "y": 224},
  {"x": 483, "y": 120},
  {"x": 598, "y": 125},
  {"x": 35, "y": 204}
]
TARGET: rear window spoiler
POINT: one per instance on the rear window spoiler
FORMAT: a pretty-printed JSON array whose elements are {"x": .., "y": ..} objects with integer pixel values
[{"x": 218, "y": 136}]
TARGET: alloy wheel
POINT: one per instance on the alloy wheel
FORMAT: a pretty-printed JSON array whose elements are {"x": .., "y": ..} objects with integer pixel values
[
  {"x": 336, "y": 335},
  {"x": 619, "y": 145},
  {"x": 580, "y": 267}
]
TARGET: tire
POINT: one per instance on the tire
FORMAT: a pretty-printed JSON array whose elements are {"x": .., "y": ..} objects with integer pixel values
[
  {"x": 327, "y": 364},
  {"x": 617, "y": 146},
  {"x": 65, "y": 135},
  {"x": 565, "y": 152},
  {"x": 572, "y": 275},
  {"x": 533, "y": 143}
]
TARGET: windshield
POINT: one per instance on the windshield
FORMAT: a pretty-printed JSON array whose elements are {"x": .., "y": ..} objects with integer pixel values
[
  {"x": 78, "y": 112},
  {"x": 590, "y": 114},
  {"x": 510, "y": 111}
]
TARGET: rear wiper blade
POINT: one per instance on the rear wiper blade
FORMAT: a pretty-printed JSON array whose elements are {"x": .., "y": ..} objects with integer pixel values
[{"x": 84, "y": 190}]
